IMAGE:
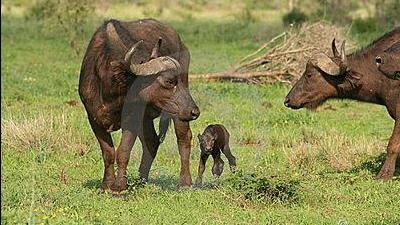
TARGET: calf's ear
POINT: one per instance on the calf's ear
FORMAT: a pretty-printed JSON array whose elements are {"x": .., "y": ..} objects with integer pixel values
[{"x": 199, "y": 136}]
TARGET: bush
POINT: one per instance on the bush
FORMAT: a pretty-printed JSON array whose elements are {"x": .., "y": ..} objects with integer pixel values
[
  {"x": 391, "y": 13},
  {"x": 365, "y": 30},
  {"x": 295, "y": 17},
  {"x": 271, "y": 189},
  {"x": 69, "y": 16},
  {"x": 369, "y": 25}
]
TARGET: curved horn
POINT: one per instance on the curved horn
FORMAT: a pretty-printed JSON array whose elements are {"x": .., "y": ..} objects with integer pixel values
[
  {"x": 155, "y": 66},
  {"x": 334, "y": 49},
  {"x": 156, "y": 50},
  {"x": 324, "y": 63},
  {"x": 113, "y": 35},
  {"x": 129, "y": 54},
  {"x": 343, "y": 57}
]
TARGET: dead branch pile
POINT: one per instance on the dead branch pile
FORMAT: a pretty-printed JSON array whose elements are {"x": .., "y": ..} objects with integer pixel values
[{"x": 283, "y": 58}]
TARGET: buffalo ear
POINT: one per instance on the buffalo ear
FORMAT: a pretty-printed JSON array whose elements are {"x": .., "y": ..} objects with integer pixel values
[
  {"x": 334, "y": 49},
  {"x": 155, "y": 53},
  {"x": 199, "y": 137},
  {"x": 324, "y": 63}
]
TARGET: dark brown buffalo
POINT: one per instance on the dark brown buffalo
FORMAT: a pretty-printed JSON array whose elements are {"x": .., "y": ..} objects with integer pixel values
[
  {"x": 355, "y": 77},
  {"x": 131, "y": 73},
  {"x": 388, "y": 62},
  {"x": 213, "y": 141}
]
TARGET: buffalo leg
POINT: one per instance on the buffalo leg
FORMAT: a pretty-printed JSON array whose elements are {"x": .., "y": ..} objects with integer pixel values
[
  {"x": 202, "y": 167},
  {"x": 184, "y": 138},
  {"x": 393, "y": 151},
  {"x": 150, "y": 144},
  {"x": 218, "y": 166},
  {"x": 231, "y": 159},
  {"x": 108, "y": 153},
  {"x": 123, "y": 154}
]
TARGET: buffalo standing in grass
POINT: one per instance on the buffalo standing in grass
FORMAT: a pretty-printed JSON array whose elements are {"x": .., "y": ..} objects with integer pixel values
[
  {"x": 132, "y": 73},
  {"x": 356, "y": 77}
]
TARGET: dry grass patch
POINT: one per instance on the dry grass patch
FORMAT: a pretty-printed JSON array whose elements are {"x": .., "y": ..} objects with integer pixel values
[
  {"x": 333, "y": 150},
  {"x": 43, "y": 131}
]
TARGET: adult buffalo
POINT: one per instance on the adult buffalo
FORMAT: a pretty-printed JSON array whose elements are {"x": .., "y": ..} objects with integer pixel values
[
  {"x": 132, "y": 73},
  {"x": 355, "y": 77}
]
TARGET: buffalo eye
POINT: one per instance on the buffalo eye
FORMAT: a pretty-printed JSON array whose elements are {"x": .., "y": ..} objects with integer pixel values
[
  {"x": 378, "y": 60},
  {"x": 170, "y": 83}
]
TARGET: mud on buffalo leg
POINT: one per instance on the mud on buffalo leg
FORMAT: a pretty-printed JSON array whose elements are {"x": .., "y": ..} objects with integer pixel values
[
  {"x": 150, "y": 144},
  {"x": 218, "y": 166},
  {"x": 202, "y": 167},
  {"x": 184, "y": 138},
  {"x": 108, "y": 152},
  {"x": 231, "y": 159},
  {"x": 393, "y": 151},
  {"x": 122, "y": 156}
]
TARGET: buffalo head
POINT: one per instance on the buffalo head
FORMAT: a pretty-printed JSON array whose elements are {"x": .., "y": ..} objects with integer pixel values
[
  {"x": 323, "y": 78},
  {"x": 389, "y": 61},
  {"x": 158, "y": 82},
  {"x": 206, "y": 141}
]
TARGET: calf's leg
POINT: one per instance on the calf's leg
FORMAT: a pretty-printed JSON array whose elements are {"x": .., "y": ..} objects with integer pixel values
[
  {"x": 184, "y": 138},
  {"x": 393, "y": 151},
  {"x": 108, "y": 153},
  {"x": 231, "y": 159},
  {"x": 202, "y": 166},
  {"x": 218, "y": 166}
]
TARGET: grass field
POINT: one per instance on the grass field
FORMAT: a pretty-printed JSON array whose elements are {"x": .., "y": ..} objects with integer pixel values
[{"x": 52, "y": 166}]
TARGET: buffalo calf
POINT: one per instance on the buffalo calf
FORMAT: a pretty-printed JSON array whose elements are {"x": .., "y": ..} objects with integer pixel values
[{"x": 213, "y": 141}]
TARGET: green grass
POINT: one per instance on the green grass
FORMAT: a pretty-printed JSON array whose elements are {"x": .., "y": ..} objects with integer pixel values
[{"x": 52, "y": 166}]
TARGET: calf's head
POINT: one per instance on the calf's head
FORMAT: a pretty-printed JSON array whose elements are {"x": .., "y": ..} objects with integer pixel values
[
  {"x": 206, "y": 141},
  {"x": 158, "y": 82},
  {"x": 325, "y": 77},
  {"x": 389, "y": 61}
]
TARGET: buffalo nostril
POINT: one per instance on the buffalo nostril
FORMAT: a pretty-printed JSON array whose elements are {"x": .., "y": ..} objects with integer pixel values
[
  {"x": 195, "y": 112},
  {"x": 286, "y": 103}
]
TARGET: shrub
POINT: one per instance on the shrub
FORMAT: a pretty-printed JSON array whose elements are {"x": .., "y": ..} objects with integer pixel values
[
  {"x": 295, "y": 16},
  {"x": 271, "y": 189},
  {"x": 71, "y": 17},
  {"x": 369, "y": 25}
]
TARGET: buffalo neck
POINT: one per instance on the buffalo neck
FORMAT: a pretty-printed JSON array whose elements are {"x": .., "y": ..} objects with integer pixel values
[{"x": 370, "y": 85}]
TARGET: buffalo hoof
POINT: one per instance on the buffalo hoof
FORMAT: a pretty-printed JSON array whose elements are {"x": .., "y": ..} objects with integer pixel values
[
  {"x": 119, "y": 186},
  {"x": 233, "y": 169},
  {"x": 106, "y": 186},
  {"x": 185, "y": 182},
  {"x": 385, "y": 175}
]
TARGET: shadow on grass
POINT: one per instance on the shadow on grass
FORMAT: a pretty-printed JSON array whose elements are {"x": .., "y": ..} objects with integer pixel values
[
  {"x": 166, "y": 182},
  {"x": 170, "y": 183},
  {"x": 92, "y": 184},
  {"x": 375, "y": 164}
]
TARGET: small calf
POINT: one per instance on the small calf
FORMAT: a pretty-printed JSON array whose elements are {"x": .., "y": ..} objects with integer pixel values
[{"x": 214, "y": 139}]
